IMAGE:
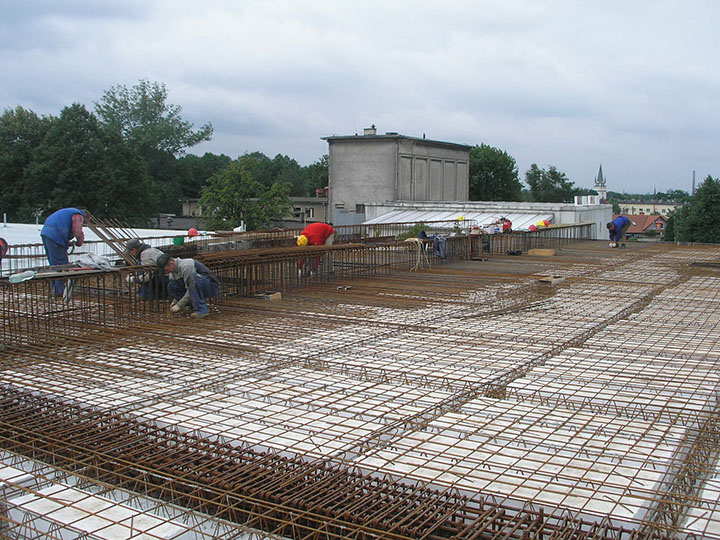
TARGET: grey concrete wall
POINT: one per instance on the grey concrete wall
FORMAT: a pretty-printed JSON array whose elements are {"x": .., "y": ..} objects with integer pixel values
[
  {"x": 377, "y": 169},
  {"x": 362, "y": 171},
  {"x": 430, "y": 171}
]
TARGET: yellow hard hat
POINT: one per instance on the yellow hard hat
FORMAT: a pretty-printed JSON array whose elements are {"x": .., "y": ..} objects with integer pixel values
[
  {"x": 461, "y": 218},
  {"x": 302, "y": 240}
]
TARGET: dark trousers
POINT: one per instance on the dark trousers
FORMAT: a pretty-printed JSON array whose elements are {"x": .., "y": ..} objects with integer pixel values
[
  {"x": 203, "y": 287},
  {"x": 57, "y": 255}
]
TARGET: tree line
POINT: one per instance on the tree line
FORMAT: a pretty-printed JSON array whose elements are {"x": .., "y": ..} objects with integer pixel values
[{"x": 127, "y": 160}]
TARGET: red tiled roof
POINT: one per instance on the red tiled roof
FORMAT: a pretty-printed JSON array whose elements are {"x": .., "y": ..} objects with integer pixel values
[{"x": 642, "y": 222}]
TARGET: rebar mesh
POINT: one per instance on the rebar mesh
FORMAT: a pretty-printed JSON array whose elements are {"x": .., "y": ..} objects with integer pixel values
[{"x": 463, "y": 401}]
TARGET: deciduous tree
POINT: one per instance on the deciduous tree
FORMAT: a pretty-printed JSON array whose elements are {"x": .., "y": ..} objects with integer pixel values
[
  {"x": 698, "y": 221},
  {"x": 549, "y": 186},
  {"x": 21, "y": 132},
  {"x": 317, "y": 175},
  {"x": 143, "y": 118},
  {"x": 193, "y": 171},
  {"x": 233, "y": 195},
  {"x": 80, "y": 164},
  {"x": 156, "y": 129},
  {"x": 493, "y": 175}
]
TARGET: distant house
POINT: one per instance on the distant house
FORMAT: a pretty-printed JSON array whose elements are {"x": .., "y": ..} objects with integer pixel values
[
  {"x": 645, "y": 225},
  {"x": 648, "y": 207},
  {"x": 304, "y": 210}
]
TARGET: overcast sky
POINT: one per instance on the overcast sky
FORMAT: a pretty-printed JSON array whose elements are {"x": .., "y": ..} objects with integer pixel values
[{"x": 632, "y": 85}]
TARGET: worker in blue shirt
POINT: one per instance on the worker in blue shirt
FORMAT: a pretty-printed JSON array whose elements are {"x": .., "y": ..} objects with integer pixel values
[
  {"x": 62, "y": 230},
  {"x": 618, "y": 228}
]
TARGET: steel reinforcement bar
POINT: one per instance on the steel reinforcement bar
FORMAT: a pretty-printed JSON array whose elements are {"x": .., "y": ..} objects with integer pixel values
[
  {"x": 282, "y": 495},
  {"x": 96, "y": 300}
]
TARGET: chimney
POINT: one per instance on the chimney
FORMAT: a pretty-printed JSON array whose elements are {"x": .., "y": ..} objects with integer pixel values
[{"x": 370, "y": 131}]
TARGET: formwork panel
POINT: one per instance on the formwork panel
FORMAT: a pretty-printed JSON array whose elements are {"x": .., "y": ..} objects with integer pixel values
[
  {"x": 703, "y": 515},
  {"x": 594, "y": 465},
  {"x": 294, "y": 411}
]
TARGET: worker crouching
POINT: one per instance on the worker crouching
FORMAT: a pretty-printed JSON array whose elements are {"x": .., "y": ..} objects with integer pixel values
[
  {"x": 151, "y": 284},
  {"x": 191, "y": 283}
]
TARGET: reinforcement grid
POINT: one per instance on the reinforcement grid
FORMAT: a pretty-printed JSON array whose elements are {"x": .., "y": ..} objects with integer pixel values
[{"x": 440, "y": 404}]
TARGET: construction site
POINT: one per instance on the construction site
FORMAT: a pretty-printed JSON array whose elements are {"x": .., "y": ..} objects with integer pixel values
[{"x": 526, "y": 386}]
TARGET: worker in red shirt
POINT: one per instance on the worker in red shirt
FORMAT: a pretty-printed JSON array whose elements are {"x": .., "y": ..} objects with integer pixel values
[
  {"x": 317, "y": 234},
  {"x": 3, "y": 249}
]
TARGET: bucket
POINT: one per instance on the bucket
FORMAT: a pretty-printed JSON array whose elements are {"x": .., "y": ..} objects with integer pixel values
[{"x": 178, "y": 241}]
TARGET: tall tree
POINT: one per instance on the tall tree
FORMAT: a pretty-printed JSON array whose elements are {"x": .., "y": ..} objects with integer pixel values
[
  {"x": 493, "y": 175},
  {"x": 143, "y": 117},
  {"x": 21, "y": 132},
  {"x": 317, "y": 175},
  {"x": 698, "y": 221},
  {"x": 193, "y": 171},
  {"x": 233, "y": 195},
  {"x": 81, "y": 164},
  {"x": 549, "y": 186},
  {"x": 287, "y": 170},
  {"x": 156, "y": 129}
]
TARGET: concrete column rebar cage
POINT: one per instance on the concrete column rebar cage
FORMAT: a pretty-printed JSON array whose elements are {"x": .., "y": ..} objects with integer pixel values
[{"x": 21, "y": 257}]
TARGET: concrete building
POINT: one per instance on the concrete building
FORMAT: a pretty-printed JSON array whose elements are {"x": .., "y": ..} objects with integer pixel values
[
  {"x": 371, "y": 168},
  {"x": 304, "y": 210},
  {"x": 662, "y": 208}
]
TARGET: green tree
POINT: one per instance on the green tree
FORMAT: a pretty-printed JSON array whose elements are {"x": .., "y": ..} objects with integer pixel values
[
  {"x": 156, "y": 130},
  {"x": 676, "y": 195},
  {"x": 193, "y": 172},
  {"x": 143, "y": 118},
  {"x": 287, "y": 170},
  {"x": 80, "y": 164},
  {"x": 317, "y": 175},
  {"x": 493, "y": 175},
  {"x": 233, "y": 195},
  {"x": 549, "y": 186},
  {"x": 672, "y": 217},
  {"x": 698, "y": 221},
  {"x": 21, "y": 132}
]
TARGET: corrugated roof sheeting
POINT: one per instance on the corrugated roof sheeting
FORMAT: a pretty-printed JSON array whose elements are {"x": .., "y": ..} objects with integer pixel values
[{"x": 519, "y": 221}]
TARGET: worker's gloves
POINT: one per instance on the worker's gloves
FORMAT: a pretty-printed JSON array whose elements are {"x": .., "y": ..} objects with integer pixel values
[{"x": 174, "y": 307}]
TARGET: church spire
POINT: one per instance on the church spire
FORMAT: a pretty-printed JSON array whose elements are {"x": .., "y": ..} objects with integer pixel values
[{"x": 600, "y": 181}]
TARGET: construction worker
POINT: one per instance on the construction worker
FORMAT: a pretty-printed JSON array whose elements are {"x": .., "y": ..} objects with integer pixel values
[
  {"x": 618, "y": 228},
  {"x": 3, "y": 249},
  {"x": 152, "y": 284},
  {"x": 57, "y": 235},
  {"x": 191, "y": 282},
  {"x": 317, "y": 234}
]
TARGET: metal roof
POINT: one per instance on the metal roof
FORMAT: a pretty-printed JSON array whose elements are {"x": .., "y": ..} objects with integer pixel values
[{"x": 520, "y": 221}]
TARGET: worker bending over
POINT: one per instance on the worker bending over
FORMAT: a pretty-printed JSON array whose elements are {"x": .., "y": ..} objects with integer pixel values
[
  {"x": 618, "y": 228},
  {"x": 191, "y": 282},
  {"x": 57, "y": 236},
  {"x": 317, "y": 234},
  {"x": 152, "y": 284}
]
